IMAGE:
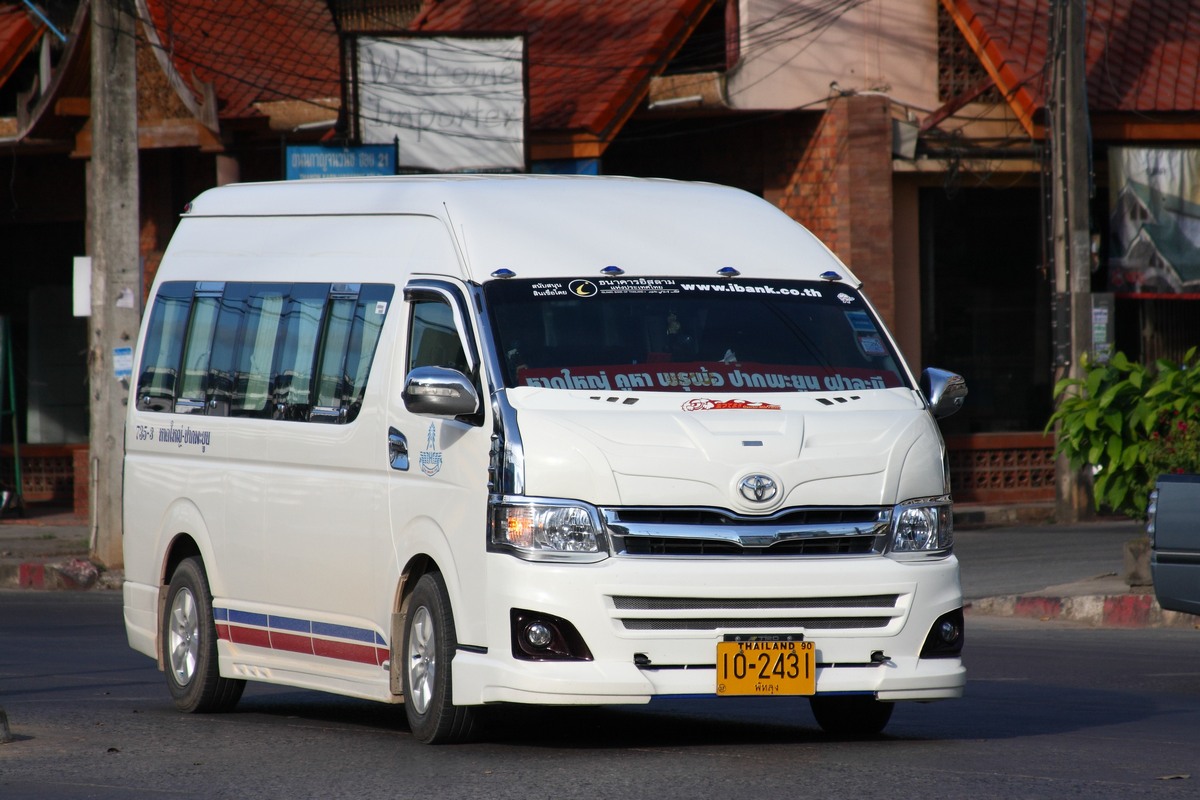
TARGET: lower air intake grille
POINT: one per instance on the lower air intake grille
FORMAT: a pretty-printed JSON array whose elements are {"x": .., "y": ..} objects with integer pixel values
[
  {"x": 627, "y": 603},
  {"x": 807, "y": 623},
  {"x": 707, "y": 614}
]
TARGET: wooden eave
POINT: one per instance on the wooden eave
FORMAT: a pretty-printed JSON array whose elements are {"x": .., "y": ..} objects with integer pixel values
[
  {"x": 72, "y": 78},
  {"x": 24, "y": 36},
  {"x": 1011, "y": 80},
  {"x": 551, "y": 145}
]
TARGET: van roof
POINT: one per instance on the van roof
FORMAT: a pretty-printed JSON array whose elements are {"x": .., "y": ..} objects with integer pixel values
[{"x": 556, "y": 226}]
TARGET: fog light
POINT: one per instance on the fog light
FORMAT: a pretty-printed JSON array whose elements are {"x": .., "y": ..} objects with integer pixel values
[
  {"x": 538, "y": 634},
  {"x": 945, "y": 638},
  {"x": 544, "y": 637}
]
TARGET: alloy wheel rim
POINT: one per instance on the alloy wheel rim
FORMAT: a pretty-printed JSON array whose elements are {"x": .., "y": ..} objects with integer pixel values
[
  {"x": 183, "y": 637},
  {"x": 422, "y": 660}
]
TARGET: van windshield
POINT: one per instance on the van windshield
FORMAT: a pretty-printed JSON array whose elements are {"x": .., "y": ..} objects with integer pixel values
[{"x": 677, "y": 335}]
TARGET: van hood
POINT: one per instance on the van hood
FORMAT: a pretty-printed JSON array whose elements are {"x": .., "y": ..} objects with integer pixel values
[{"x": 876, "y": 447}]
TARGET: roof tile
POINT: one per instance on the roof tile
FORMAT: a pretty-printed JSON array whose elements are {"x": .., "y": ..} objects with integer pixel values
[
  {"x": 589, "y": 60},
  {"x": 1141, "y": 54}
]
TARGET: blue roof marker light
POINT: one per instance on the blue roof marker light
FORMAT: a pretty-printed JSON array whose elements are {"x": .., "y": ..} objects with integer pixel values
[
  {"x": 612, "y": 270},
  {"x": 503, "y": 272},
  {"x": 729, "y": 272},
  {"x": 830, "y": 275}
]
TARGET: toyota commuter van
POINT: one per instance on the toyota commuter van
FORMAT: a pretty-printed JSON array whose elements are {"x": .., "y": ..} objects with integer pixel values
[{"x": 457, "y": 441}]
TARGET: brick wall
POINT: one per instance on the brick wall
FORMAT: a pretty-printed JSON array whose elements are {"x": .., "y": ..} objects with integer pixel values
[
  {"x": 835, "y": 178},
  {"x": 810, "y": 173}
]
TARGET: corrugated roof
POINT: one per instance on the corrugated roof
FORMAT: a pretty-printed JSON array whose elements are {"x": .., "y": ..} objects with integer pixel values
[{"x": 1142, "y": 56}]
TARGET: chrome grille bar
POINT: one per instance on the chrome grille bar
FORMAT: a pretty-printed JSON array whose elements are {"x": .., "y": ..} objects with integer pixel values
[
  {"x": 852, "y": 612},
  {"x": 629, "y": 603},
  {"x": 716, "y": 532},
  {"x": 712, "y": 624}
]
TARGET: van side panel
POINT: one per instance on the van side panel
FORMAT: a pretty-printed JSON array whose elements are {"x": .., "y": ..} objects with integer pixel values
[{"x": 291, "y": 517}]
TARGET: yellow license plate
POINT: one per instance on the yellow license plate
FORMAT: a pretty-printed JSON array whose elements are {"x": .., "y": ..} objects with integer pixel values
[{"x": 766, "y": 667}]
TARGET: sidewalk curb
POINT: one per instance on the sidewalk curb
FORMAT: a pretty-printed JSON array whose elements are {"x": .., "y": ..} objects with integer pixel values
[
  {"x": 1100, "y": 610},
  {"x": 70, "y": 574}
]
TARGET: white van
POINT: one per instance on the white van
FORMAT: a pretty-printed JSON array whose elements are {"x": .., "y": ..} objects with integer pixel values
[{"x": 451, "y": 441}]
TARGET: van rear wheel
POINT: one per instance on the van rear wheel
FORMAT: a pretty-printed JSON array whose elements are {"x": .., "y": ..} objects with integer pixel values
[
  {"x": 428, "y": 648},
  {"x": 189, "y": 642},
  {"x": 855, "y": 717}
]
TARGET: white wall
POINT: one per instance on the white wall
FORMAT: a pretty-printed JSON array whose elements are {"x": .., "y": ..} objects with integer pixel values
[{"x": 792, "y": 49}]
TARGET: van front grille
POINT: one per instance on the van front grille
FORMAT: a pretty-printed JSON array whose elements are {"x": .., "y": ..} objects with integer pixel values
[{"x": 685, "y": 532}]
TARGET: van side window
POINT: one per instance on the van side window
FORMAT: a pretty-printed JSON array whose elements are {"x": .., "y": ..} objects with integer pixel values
[
  {"x": 292, "y": 387},
  {"x": 433, "y": 339},
  {"x": 369, "y": 313},
  {"x": 252, "y": 371},
  {"x": 164, "y": 347},
  {"x": 202, "y": 328},
  {"x": 299, "y": 352}
]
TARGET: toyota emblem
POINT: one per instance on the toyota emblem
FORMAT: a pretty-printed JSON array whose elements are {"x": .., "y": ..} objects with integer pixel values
[{"x": 758, "y": 488}]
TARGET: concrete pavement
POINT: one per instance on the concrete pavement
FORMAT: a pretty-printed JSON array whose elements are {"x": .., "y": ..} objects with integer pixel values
[{"x": 1014, "y": 563}]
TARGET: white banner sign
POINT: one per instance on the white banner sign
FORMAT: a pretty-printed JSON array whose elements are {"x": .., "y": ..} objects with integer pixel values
[{"x": 453, "y": 103}]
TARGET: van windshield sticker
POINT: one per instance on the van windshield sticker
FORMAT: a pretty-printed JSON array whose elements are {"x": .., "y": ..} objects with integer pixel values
[
  {"x": 685, "y": 377},
  {"x": 860, "y": 321},
  {"x": 706, "y": 404},
  {"x": 872, "y": 345},
  {"x": 583, "y": 287},
  {"x": 667, "y": 334}
]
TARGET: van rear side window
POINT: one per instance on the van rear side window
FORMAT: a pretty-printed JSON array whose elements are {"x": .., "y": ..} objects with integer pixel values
[{"x": 299, "y": 351}]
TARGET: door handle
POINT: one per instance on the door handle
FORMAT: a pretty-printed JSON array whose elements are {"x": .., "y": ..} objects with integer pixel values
[{"x": 397, "y": 450}]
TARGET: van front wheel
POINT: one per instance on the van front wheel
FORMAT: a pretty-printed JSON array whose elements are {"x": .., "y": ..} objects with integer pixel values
[
  {"x": 854, "y": 717},
  {"x": 189, "y": 642},
  {"x": 429, "y": 645}
]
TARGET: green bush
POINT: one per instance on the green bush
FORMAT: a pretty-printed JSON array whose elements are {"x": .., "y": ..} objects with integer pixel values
[{"x": 1130, "y": 423}]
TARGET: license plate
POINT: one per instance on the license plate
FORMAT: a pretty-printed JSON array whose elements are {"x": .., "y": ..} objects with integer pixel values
[{"x": 766, "y": 667}]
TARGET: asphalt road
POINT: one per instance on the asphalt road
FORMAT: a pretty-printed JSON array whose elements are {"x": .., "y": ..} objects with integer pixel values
[
  {"x": 1051, "y": 711},
  {"x": 1016, "y": 560}
]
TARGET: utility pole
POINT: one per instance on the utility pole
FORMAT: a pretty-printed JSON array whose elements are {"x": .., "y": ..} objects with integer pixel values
[
  {"x": 116, "y": 272},
  {"x": 1070, "y": 156}
]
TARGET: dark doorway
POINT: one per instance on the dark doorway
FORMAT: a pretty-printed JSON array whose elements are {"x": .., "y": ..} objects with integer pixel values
[{"x": 986, "y": 305}]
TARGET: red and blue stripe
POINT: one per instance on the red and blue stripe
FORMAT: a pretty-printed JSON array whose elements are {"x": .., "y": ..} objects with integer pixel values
[{"x": 321, "y": 639}]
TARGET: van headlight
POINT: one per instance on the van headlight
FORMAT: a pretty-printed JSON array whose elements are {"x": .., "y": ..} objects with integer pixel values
[
  {"x": 922, "y": 527},
  {"x": 544, "y": 529}
]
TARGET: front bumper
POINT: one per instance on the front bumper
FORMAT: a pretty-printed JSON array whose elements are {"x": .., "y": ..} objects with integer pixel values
[{"x": 653, "y": 625}]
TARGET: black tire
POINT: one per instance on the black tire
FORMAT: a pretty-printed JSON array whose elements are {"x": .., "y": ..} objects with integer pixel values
[
  {"x": 426, "y": 652},
  {"x": 853, "y": 717},
  {"x": 189, "y": 643}
]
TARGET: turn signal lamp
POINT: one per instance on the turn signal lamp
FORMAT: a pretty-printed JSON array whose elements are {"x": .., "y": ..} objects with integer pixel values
[{"x": 546, "y": 529}]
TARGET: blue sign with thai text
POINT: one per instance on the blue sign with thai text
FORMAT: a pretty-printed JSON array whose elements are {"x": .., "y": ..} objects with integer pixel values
[{"x": 306, "y": 162}]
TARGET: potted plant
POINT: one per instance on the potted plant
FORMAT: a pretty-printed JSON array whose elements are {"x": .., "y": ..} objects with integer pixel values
[{"x": 1130, "y": 423}]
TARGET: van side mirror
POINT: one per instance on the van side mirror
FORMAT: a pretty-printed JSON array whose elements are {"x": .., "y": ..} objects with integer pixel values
[
  {"x": 944, "y": 391},
  {"x": 439, "y": 392}
]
